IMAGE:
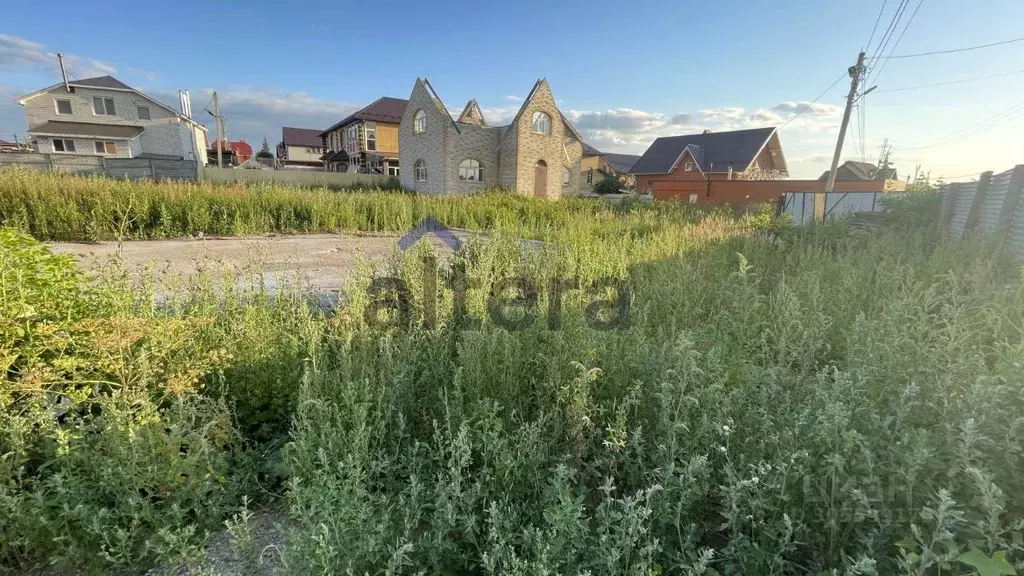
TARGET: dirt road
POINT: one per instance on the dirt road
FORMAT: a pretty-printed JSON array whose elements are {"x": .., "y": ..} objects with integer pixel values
[{"x": 322, "y": 262}]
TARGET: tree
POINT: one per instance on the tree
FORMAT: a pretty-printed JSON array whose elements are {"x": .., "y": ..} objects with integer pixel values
[
  {"x": 265, "y": 150},
  {"x": 608, "y": 185}
]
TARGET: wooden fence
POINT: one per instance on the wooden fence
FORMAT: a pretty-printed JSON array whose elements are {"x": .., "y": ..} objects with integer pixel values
[
  {"x": 991, "y": 205},
  {"x": 131, "y": 168}
]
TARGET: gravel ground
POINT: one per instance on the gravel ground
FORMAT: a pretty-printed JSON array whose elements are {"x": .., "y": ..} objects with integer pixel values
[{"x": 321, "y": 262}]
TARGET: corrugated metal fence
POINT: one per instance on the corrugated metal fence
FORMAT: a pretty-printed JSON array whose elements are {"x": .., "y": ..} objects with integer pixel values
[
  {"x": 800, "y": 205},
  {"x": 990, "y": 205}
]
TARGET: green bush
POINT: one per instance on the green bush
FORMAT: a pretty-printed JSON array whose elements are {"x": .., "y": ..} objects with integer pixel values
[
  {"x": 607, "y": 185},
  {"x": 109, "y": 460}
]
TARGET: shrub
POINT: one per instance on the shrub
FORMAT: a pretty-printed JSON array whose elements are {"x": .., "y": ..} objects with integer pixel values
[{"x": 607, "y": 185}]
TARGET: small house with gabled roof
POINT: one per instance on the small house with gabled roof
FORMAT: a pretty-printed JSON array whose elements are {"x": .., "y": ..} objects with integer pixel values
[{"x": 537, "y": 154}]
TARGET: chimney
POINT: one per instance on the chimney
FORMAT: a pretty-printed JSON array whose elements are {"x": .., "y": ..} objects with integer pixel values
[{"x": 63, "y": 72}]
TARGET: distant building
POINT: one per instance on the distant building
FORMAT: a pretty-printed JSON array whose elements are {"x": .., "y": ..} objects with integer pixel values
[
  {"x": 596, "y": 166},
  {"x": 851, "y": 171},
  {"x": 367, "y": 140},
  {"x": 103, "y": 116},
  {"x": 300, "y": 147},
  {"x": 736, "y": 167},
  {"x": 6, "y": 146},
  {"x": 239, "y": 151}
]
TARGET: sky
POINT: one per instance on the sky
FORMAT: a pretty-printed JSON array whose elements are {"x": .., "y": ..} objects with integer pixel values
[{"x": 624, "y": 73}]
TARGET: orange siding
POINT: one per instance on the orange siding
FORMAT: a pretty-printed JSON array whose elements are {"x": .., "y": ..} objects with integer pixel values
[
  {"x": 387, "y": 137},
  {"x": 737, "y": 192}
]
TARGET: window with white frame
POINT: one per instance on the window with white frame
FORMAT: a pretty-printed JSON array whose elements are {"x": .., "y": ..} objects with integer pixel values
[
  {"x": 420, "y": 171},
  {"x": 693, "y": 198},
  {"x": 106, "y": 148},
  {"x": 143, "y": 112},
  {"x": 63, "y": 106},
  {"x": 541, "y": 123},
  {"x": 688, "y": 167},
  {"x": 392, "y": 170},
  {"x": 352, "y": 139},
  {"x": 103, "y": 106},
  {"x": 370, "y": 128},
  {"x": 419, "y": 122},
  {"x": 63, "y": 145},
  {"x": 565, "y": 176},
  {"x": 471, "y": 170}
]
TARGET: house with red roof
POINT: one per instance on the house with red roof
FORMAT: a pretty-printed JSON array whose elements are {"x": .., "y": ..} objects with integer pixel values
[{"x": 238, "y": 151}]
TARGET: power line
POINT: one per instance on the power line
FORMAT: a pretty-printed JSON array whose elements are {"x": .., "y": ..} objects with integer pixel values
[
  {"x": 890, "y": 29},
  {"x": 990, "y": 122},
  {"x": 905, "y": 28},
  {"x": 952, "y": 82},
  {"x": 877, "y": 20},
  {"x": 812, "y": 102},
  {"x": 969, "y": 48}
]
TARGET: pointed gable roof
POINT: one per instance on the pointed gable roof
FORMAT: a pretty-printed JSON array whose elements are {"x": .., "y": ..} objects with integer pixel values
[
  {"x": 526, "y": 102},
  {"x": 101, "y": 82},
  {"x": 472, "y": 114},
  {"x": 738, "y": 148},
  {"x": 384, "y": 109},
  {"x": 437, "y": 102}
]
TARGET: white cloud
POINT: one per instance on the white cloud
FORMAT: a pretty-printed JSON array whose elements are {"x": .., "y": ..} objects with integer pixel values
[
  {"x": 252, "y": 113},
  {"x": 514, "y": 98},
  {"x": 22, "y": 54}
]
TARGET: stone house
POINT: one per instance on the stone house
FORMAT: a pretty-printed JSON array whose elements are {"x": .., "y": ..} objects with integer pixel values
[
  {"x": 102, "y": 116},
  {"x": 537, "y": 154}
]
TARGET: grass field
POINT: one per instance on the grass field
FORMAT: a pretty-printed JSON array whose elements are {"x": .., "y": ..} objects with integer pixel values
[{"x": 782, "y": 401}]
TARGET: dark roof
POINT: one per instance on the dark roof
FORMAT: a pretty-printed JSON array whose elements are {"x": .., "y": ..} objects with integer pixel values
[
  {"x": 87, "y": 129},
  {"x": 339, "y": 156},
  {"x": 101, "y": 82},
  {"x": 738, "y": 148},
  {"x": 623, "y": 163},
  {"x": 852, "y": 171},
  {"x": 386, "y": 109},
  {"x": 301, "y": 137}
]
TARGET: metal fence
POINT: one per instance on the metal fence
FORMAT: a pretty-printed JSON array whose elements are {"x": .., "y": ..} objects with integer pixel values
[
  {"x": 800, "y": 205},
  {"x": 293, "y": 177},
  {"x": 131, "y": 168},
  {"x": 991, "y": 205}
]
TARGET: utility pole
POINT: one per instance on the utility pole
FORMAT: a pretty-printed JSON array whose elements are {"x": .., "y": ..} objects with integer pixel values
[
  {"x": 855, "y": 72},
  {"x": 218, "y": 127}
]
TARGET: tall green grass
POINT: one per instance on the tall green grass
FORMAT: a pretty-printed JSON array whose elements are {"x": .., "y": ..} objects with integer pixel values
[
  {"x": 52, "y": 206},
  {"x": 799, "y": 402}
]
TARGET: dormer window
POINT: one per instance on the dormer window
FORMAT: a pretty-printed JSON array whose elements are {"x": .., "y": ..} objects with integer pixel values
[
  {"x": 688, "y": 167},
  {"x": 541, "y": 123}
]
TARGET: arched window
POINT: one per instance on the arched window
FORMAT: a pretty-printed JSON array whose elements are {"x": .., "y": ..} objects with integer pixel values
[
  {"x": 471, "y": 170},
  {"x": 565, "y": 176},
  {"x": 541, "y": 123},
  {"x": 420, "y": 170},
  {"x": 419, "y": 122}
]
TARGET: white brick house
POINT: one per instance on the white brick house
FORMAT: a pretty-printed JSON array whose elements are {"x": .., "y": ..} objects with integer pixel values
[
  {"x": 104, "y": 117},
  {"x": 537, "y": 154}
]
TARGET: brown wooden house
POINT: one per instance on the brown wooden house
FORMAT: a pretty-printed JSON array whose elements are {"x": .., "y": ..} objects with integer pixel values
[{"x": 367, "y": 140}]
